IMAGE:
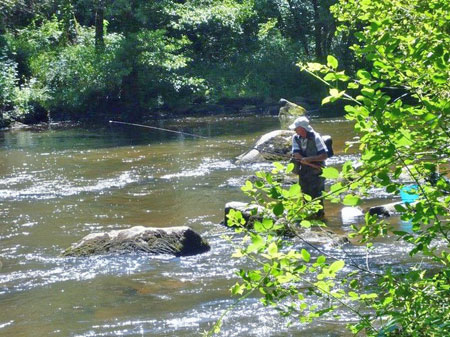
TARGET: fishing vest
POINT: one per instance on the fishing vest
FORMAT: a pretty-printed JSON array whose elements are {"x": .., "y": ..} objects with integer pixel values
[{"x": 308, "y": 151}]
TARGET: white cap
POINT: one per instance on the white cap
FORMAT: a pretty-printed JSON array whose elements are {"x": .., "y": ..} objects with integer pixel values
[{"x": 303, "y": 122}]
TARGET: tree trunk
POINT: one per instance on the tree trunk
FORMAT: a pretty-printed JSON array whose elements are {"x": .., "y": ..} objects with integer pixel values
[
  {"x": 300, "y": 29},
  {"x": 99, "y": 32},
  {"x": 69, "y": 23},
  {"x": 317, "y": 31},
  {"x": 328, "y": 40}
]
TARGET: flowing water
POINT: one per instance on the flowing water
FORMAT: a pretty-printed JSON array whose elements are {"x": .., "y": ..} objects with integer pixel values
[{"x": 60, "y": 184}]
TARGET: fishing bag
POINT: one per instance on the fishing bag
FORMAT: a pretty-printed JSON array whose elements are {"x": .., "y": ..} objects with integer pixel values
[{"x": 329, "y": 143}]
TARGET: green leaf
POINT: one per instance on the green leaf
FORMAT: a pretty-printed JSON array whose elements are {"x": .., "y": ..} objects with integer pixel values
[
  {"x": 237, "y": 289},
  {"x": 247, "y": 187},
  {"x": 388, "y": 300},
  {"x": 273, "y": 249},
  {"x": 340, "y": 76},
  {"x": 267, "y": 223},
  {"x": 337, "y": 187},
  {"x": 289, "y": 167},
  {"x": 254, "y": 275},
  {"x": 440, "y": 79},
  {"x": 314, "y": 66},
  {"x": 237, "y": 254},
  {"x": 353, "y": 85},
  {"x": 305, "y": 223},
  {"x": 285, "y": 278},
  {"x": 330, "y": 77},
  {"x": 258, "y": 227},
  {"x": 391, "y": 188},
  {"x": 278, "y": 209},
  {"x": 321, "y": 259},
  {"x": 330, "y": 173},
  {"x": 404, "y": 141},
  {"x": 334, "y": 92},
  {"x": 294, "y": 191},
  {"x": 353, "y": 295},
  {"x": 400, "y": 208},
  {"x": 368, "y": 92},
  {"x": 305, "y": 255},
  {"x": 326, "y": 100},
  {"x": 368, "y": 296},
  {"x": 278, "y": 166},
  {"x": 363, "y": 74},
  {"x": 257, "y": 243},
  {"x": 332, "y": 62},
  {"x": 351, "y": 200},
  {"x": 336, "y": 266}
]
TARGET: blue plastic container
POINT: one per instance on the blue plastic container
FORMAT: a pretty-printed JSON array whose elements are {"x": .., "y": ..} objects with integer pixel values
[{"x": 408, "y": 193}]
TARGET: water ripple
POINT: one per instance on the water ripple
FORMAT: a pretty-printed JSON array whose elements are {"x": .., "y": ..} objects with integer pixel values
[
  {"x": 206, "y": 167},
  {"x": 61, "y": 187}
]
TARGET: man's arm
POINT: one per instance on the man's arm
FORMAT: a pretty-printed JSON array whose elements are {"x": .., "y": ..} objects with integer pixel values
[{"x": 320, "y": 157}]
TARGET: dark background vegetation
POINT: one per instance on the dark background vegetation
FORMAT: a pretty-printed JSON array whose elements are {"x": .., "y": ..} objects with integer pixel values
[{"x": 133, "y": 59}]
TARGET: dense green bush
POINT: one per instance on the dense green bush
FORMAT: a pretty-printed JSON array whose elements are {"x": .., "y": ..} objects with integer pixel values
[
  {"x": 8, "y": 83},
  {"x": 135, "y": 74},
  {"x": 19, "y": 102},
  {"x": 76, "y": 73}
]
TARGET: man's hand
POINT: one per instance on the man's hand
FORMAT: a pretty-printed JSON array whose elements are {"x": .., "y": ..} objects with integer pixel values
[
  {"x": 306, "y": 161},
  {"x": 297, "y": 156}
]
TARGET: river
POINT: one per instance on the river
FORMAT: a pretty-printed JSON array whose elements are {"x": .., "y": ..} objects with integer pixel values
[{"x": 59, "y": 184}]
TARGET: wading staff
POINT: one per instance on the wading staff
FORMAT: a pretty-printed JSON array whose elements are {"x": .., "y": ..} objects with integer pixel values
[{"x": 194, "y": 135}]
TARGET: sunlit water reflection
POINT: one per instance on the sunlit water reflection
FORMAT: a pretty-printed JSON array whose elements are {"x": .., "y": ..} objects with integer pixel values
[{"x": 59, "y": 185}]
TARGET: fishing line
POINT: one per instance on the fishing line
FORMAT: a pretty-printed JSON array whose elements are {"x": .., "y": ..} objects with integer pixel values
[
  {"x": 203, "y": 137},
  {"x": 247, "y": 148},
  {"x": 162, "y": 129}
]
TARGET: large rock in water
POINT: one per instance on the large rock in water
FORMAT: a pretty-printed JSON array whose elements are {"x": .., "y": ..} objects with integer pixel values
[
  {"x": 273, "y": 146},
  {"x": 177, "y": 241}
]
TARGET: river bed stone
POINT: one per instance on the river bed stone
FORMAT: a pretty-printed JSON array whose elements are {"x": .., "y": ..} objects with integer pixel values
[{"x": 177, "y": 241}]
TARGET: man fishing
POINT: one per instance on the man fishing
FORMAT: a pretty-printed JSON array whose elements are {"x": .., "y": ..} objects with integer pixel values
[{"x": 309, "y": 149}]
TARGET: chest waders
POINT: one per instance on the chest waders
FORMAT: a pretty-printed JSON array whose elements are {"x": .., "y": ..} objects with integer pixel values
[{"x": 309, "y": 178}]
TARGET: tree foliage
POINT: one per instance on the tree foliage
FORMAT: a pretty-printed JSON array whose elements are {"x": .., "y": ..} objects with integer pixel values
[
  {"x": 133, "y": 57},
  {"x": 399, "y": 104}
]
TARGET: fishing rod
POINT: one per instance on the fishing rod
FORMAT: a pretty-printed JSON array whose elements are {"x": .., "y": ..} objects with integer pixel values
[{"x": 198, "y": 136}]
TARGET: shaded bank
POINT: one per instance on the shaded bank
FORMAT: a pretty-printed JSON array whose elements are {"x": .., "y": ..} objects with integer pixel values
[{"x": 226, "y": 107}]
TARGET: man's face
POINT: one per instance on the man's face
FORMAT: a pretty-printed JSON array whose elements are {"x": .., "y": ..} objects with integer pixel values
[{"x": 300, "y": 131}]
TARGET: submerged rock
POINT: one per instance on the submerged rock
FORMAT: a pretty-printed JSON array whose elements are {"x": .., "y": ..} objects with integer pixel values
[
  {"x": 385, "y": 210},
  {"x": 321, "y": 236},
  {"x": 250, "y": 213},
  {"x": 177, "y": 241}
]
